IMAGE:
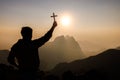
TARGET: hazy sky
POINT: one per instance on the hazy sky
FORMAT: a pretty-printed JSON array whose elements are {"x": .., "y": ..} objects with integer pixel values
[{"x": 95, "y": 24}]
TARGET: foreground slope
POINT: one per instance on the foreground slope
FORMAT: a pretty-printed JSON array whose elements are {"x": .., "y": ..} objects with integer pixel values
[{"x": 107, "y": 63}]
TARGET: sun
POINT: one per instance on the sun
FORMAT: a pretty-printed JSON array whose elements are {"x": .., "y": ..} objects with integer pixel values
[{"x": 65, "y": 20}]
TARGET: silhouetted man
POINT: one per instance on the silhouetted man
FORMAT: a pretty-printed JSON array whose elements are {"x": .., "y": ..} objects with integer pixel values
[{"x": 26, "y": 50}]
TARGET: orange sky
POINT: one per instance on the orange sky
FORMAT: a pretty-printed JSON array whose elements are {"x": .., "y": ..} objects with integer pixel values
[{"x": 95, "y": 24}]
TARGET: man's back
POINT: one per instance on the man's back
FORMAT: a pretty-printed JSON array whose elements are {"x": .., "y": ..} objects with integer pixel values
[{"x": 26, "y": 54}]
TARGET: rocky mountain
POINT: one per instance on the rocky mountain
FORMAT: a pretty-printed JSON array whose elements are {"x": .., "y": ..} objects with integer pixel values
[
  {"x": 62, "y": 49},
  {"x": 107, "y": 63}
]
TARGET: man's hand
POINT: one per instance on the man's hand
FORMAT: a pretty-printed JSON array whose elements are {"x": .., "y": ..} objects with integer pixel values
[{"x": 54, "y": 24}]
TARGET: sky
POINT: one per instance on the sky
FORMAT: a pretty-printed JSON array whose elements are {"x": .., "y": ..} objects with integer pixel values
[{"x": 95, "y": 24}]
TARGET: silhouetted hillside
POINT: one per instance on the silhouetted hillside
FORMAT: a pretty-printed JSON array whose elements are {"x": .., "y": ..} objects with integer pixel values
[
  {"x": 62, "y": 49},
  {"x": 3, "y": 56},
  {"x": 107, "y": 63},
  {"x": 104, "y": 66}
]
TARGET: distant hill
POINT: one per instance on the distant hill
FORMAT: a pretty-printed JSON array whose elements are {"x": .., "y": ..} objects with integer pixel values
[
  {"x": 3, "y": 56},
  {"x": 107, "y": 63},
  {"x": 118, "y": 48},
  {"x": 62, "y": 49}
]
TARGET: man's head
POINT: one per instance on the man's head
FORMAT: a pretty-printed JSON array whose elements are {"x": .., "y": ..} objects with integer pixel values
[{"x": 26, "y": 33}]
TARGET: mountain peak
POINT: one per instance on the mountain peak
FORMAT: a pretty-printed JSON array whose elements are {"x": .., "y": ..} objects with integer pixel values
[
  {"x": 59, "y": 39},
  {"x": 62, "y": 49}
]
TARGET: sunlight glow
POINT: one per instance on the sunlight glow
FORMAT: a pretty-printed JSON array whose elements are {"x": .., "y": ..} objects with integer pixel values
[{"x": 65, "y": 21}]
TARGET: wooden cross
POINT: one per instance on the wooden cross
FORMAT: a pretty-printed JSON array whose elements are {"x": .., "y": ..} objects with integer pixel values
[{"x": 54, "y": 16}]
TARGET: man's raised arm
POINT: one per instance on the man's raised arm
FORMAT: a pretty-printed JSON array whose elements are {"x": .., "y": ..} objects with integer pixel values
[{"x": 39, "y": 42}]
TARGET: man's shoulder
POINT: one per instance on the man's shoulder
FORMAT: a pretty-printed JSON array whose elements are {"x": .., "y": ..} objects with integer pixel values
[{"x": 17, "y": 43}]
